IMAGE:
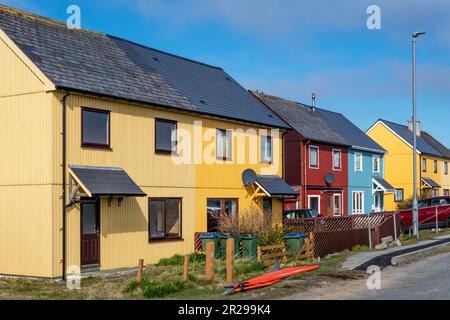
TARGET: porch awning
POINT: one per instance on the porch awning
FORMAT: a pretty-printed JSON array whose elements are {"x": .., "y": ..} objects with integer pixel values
[
  {"x": 383, "y": 185},
  {"x": 430, "y": 183},
  {"x": 274, "y": 186},
  {"x": 105, "y": 182}
]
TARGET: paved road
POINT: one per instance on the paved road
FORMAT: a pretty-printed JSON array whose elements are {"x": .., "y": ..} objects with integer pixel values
[{"x": 423, "y": 280}]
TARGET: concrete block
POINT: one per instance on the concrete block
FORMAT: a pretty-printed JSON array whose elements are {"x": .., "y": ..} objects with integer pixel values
[
  {"x": 387, "y": 239},
  {"x": 381, "y": 246}
]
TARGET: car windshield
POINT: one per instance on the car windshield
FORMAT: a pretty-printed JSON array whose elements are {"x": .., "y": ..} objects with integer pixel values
[
  {"x": 313, "y": 213},
  {"x": 423, "y": 204}
]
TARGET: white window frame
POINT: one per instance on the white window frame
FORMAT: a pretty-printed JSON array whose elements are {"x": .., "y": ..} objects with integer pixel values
[
  {"x": 263, "y": 149},
  {"x": 395, "y": 195},
  {"x": 424, "y": 165},
  {"x": 355, "y": 161},
  {"x": 376, "y": 159},
  {"x": 318, "y": 157},
  {"x": 227, "y": 145},
  {"x": 340, "y": 204},
  {"x": 309, "y": 201},
  {"x": 340, "y": 159},
  {"x": 378, "y": 194},
  {"x": 361, "y": 210}
]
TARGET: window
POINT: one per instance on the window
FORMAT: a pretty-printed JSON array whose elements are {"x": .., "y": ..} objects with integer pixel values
[
  {"x": 267, "y": 205},
  {"x": 337, "y": 154},
  {"x": 398, "y": 195},
  {"x": 223, "y": 144},
  {"x": 358, "y": 202},
  {"x": 313, "y": 157},
  {"x": 165, "y": 136},
  {"x": 217, "y": 208},
  {"x": 446, "y": 193},
  {"x": 95, "y": 128},
  {"x": 376, "y": 164},
  {"x": 358, "y": 162},
  {"x": 424, "y": 165},
  {"x": 314, "y": 203},
  {"x": 435, "y": 166},
  {"x": 446, "y": 168},
  {"x": 266, "y": 149},
  {"x": 435, "y": 193},
  {"x": 164, "y": 218}
]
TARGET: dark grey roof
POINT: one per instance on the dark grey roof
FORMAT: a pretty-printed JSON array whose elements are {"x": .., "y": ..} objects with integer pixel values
[
  {"x": 352, "y": 134},
  {"x": 275, "y": 186},
  {"x": 98, "y": 63},
  {"x": 431, "y": 182},
  {"x": 432, "y": 141},
  {"x": 384, "y": 184},
  {"x": 107, "y": 181},
  {"x": 301, "y": 118},
  {"x": 408, "y": 136}
]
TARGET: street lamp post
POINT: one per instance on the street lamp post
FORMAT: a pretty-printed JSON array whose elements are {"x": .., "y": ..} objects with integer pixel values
[{"x": 415, "y": 203}]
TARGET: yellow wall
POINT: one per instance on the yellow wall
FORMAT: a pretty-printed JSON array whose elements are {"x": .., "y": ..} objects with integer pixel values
[
  {"x": 25, "y": 170},
  {"x": 399, "y": 165},
  {"x": 224, "y": 180}
]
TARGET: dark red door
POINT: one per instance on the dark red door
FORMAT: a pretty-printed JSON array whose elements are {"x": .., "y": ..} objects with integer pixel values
[{"x": 90, "y": 232}]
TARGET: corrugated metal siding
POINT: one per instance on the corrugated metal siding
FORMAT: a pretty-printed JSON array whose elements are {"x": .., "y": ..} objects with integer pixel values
[
  {"x": 25, "y": 230},
  {"x": 15, "y": 77}
]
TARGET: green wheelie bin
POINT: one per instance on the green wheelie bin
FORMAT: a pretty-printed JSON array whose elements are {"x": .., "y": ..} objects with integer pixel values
[
  {"x": 223, "y": 244},
  {"x": 294, "y": 241},
  {"x": 249, "y": 246}
]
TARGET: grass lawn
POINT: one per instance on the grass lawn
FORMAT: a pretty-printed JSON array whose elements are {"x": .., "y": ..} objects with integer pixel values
[
  {"x": 161, "y": 281},
  {"x": 426, "y": 234}
]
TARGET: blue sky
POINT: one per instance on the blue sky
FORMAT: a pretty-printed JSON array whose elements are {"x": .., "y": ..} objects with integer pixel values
[{"x": 294, "y": 47}]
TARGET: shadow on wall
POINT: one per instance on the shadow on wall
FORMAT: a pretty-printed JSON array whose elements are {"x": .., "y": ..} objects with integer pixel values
[{"x": 128, "y": 218}]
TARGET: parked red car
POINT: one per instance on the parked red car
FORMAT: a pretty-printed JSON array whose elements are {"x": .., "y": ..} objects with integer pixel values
[{"x": 427, "y": 214}]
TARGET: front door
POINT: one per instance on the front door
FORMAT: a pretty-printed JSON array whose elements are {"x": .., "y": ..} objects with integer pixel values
[
  {"x": 377, "y": 202},
  {"x": 337, "y": 204},
  {"x": 90, "y": 232}
]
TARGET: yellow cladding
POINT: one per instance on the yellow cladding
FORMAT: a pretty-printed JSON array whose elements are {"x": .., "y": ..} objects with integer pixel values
[
  {"x": 224, "y": 180},
  {"x": 30, "y": 175},
  {"x": 399, "y": 164},
  {"x": 440, "y": 177}
]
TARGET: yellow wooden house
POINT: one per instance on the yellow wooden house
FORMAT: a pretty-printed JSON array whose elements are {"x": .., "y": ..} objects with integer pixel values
[
  {"x": 433, "y": 157},
  {"x": 114, "y": 152}
]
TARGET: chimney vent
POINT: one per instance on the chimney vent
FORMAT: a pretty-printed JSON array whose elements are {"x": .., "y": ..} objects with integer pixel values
[
  {"x": 418, "y": 127},
  {"x": 313, "y": 108}
]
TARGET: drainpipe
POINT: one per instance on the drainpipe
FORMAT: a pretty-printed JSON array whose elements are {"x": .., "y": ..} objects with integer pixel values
[{"x": 64, "y": 196}]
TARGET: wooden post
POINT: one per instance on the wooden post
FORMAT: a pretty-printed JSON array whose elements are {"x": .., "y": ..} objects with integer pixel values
[
  {"x": 230, "y": 259},
  {"x": 209, "y": 272},
  {"x": 258, "y": 253},
  {"x": 139, "y": 271},
  {"x": 186, "y": 268}
]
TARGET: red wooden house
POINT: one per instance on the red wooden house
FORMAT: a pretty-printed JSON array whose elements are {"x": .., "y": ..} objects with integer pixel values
[{"x": 315, "y": 158}]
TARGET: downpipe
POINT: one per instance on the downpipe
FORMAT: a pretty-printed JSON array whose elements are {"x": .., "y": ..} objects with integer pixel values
[{"x": 64, "y": 182}]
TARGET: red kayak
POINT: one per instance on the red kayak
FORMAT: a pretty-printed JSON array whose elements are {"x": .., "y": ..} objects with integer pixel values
[{"x": 269, "y": 279}]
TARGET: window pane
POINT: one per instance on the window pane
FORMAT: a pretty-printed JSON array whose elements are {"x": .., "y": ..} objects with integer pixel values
[
  {"x": 313, "y": 156},
  {"x": 173, "y": 218},
  {"x": 266, "y": 149},
  {"x": 223, "y": 144},
  {"x": 336, "y": 159},
  {"x": 230, "y": 207},
  {"x": 95, "y": 127},
  {"x": 267, "y": 205},
  {"x": 89, "y": 218},
  {"x": 156, "y": 219},
  {"x": 166, "y": 136}
]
